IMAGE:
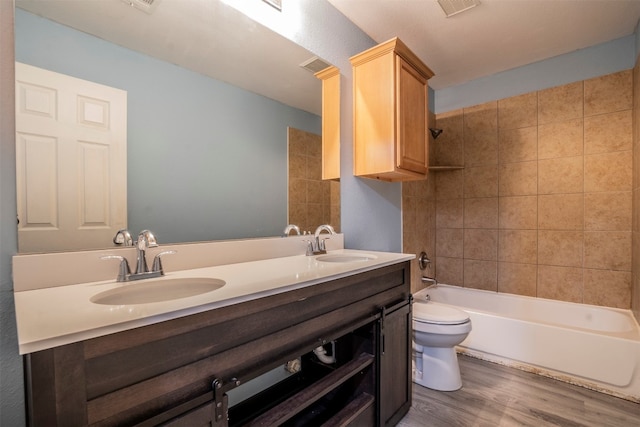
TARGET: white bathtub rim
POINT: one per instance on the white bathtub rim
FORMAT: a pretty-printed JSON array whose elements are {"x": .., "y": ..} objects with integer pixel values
[
  {"x": 633, "y": 333},
  {"x": 622, "y": 393}
]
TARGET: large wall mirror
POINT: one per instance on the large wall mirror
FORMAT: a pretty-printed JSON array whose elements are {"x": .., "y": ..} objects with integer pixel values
[{"x": 206, "y": 151}]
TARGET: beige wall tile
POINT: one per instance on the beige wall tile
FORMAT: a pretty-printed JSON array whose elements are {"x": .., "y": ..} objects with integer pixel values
[
  {"x": 315, "y": 216},
  {"x": 450, "y": 184},
  {"x": 314, "y": 169},
  {"x": 518, "y": 111},
  {"x": 481, "y": 148},
  {"x": 607, "y": 211},
  {"x": 560, "y": 103},
  {"x": 298, "y": 214},
  {"x": 608, "y": 172},
  {"x": 450, "y": 213},
  {"x": 297, "y": 191},
  {"x": 481, "y": 181},
  {"x": 605, "y": 94},
  {"x": 409, "y": 209},
  {"x": 450, "y": 271},
  {"x": 297, "y": 144},
  {"x": 518, "y": 145},
  {"x": 564, "y": 201},
  {"x": 561, "y": 212},
  {"x": 314, "y": 145},
  {"x": 560, "y": 283},
  {"x": 561, "y": 248},
  {"x": 426, "y": 187},
  {"x": 481, "y": 244},
  {"x": 561, "y": 175},
  {"x": 314, "y": 192},
  {"x": 481, "y": 274},
  {"x": 605, "y": 133},
  {"x": 310, "y": 201},
  {"x": 409, "y": 189},
  {"x": 610, "y": 250},
  {"x": 518, "y": 179},
  {"x": 518, "y": 246},
  {"x": 449, "y": 242},
  {"x": 561, "y": 139},
  {"x": 481, "y": 118},
  {"x": 520, "y": 279},
  {"x": 481, "y": 213},
  {"x": 518, "y": 212},
  {"x": 608, "y": 288},
  {"x": 449, "y": 147},
  {"x": 297, "y": 166}
]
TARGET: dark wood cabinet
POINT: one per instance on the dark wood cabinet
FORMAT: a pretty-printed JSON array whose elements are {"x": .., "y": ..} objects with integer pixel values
[
  {"x": 395, "y": 384},
  {"x": 177, "y": 373}
]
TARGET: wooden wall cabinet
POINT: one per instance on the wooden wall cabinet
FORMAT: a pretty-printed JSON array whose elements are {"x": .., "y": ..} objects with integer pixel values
[
  {"x": 330, "y": 122},
  {"x": 177, "y": 373},
  {"x": 390, "y": 113}
]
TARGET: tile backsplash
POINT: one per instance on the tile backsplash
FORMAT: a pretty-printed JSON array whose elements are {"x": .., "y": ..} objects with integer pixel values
[{"x": 543, "y": 206}]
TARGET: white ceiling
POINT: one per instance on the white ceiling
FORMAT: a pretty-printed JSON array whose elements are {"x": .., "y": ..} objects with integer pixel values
[
  {"x": 495, "y": 36},
  {"x": 202, "y": 35}
]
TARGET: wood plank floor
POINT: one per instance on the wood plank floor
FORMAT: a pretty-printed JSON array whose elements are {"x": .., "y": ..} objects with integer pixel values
[{"x": 495, "y": 395}]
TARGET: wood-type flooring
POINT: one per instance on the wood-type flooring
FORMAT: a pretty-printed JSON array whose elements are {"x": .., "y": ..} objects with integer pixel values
[{"x": 494, "y": 395}]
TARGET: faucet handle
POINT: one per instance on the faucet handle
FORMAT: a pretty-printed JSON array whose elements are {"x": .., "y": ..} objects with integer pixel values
[
  {"x": 321, "y": 244},
  {"x": 157, "y": 262},
  {"x": 124, "y": 271},
  {"x": 310, "y": 248}
]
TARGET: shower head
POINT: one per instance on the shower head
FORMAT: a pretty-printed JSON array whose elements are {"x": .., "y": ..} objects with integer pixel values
[{"x": 435, "y": 132}]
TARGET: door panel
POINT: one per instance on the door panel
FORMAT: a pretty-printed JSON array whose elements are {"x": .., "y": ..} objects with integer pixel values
[{"x": 71, "y": 137}]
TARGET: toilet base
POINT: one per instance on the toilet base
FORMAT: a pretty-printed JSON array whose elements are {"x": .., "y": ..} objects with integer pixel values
[{"x": 437, "y": 368}]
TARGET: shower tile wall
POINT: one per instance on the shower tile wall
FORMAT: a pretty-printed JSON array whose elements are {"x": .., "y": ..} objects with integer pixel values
[
  {"x": 418, "y": 221},
  {"x": 543, "y": 205},
  {"x": 312, "y": 201}
]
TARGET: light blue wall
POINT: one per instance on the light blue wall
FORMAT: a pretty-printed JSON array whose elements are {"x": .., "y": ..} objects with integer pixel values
[
  {"x": 206, "y": 160},
  {"x": 594, "y": 61},
  {"x": 371, "y": 210}
]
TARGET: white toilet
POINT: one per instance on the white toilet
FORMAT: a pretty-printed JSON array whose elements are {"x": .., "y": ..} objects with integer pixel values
[{"x": 437, "y": 329}]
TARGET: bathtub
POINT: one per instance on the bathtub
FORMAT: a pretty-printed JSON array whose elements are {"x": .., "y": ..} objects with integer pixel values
[{"x": 591, "y": 346}]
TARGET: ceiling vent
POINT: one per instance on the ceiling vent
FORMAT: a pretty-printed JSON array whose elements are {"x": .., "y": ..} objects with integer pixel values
[
  {"x": 315, "y": 64},
  {"x": 453, "y": 7},
  {"x": 147, "y": 6}
]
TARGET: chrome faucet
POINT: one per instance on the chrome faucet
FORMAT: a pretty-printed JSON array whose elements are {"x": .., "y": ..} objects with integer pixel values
[
  {"x": 289, "y": 228},
  {"x": 146, "y": 240},
  {"x": 123, "y": 238},
  {"x": 317, "y": 246}
]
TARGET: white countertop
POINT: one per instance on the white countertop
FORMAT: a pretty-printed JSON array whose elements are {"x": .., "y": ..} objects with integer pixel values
[{"x": 60, "y": 315}]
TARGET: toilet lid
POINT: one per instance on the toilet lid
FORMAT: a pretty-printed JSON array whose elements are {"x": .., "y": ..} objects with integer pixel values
[{"x": 439, "y": 313}]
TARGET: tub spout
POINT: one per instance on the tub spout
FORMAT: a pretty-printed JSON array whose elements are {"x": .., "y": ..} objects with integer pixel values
[{"x": 431, "y": 281}]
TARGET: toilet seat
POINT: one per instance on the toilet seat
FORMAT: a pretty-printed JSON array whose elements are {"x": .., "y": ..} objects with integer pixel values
[{"x": 438, "y": 314}]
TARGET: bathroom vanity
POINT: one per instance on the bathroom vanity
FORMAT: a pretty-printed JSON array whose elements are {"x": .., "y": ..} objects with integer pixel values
[{"x": 176, "y": 368}]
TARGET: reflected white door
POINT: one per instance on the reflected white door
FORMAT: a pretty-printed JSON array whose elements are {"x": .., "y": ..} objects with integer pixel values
[{"x": 71, "y": 167}]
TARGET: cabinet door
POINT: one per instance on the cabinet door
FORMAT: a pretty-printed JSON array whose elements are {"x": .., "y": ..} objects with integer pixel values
[
  {"x": 330, "y": 122},
  {"x": 395, "y": 385},
  {"x": 411, "y": 146}
]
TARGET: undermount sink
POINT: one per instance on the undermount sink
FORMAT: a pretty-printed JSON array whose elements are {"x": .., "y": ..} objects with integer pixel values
[
  {"x": 148, "y": 291},
  {"x": 344, "y": 258}
]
